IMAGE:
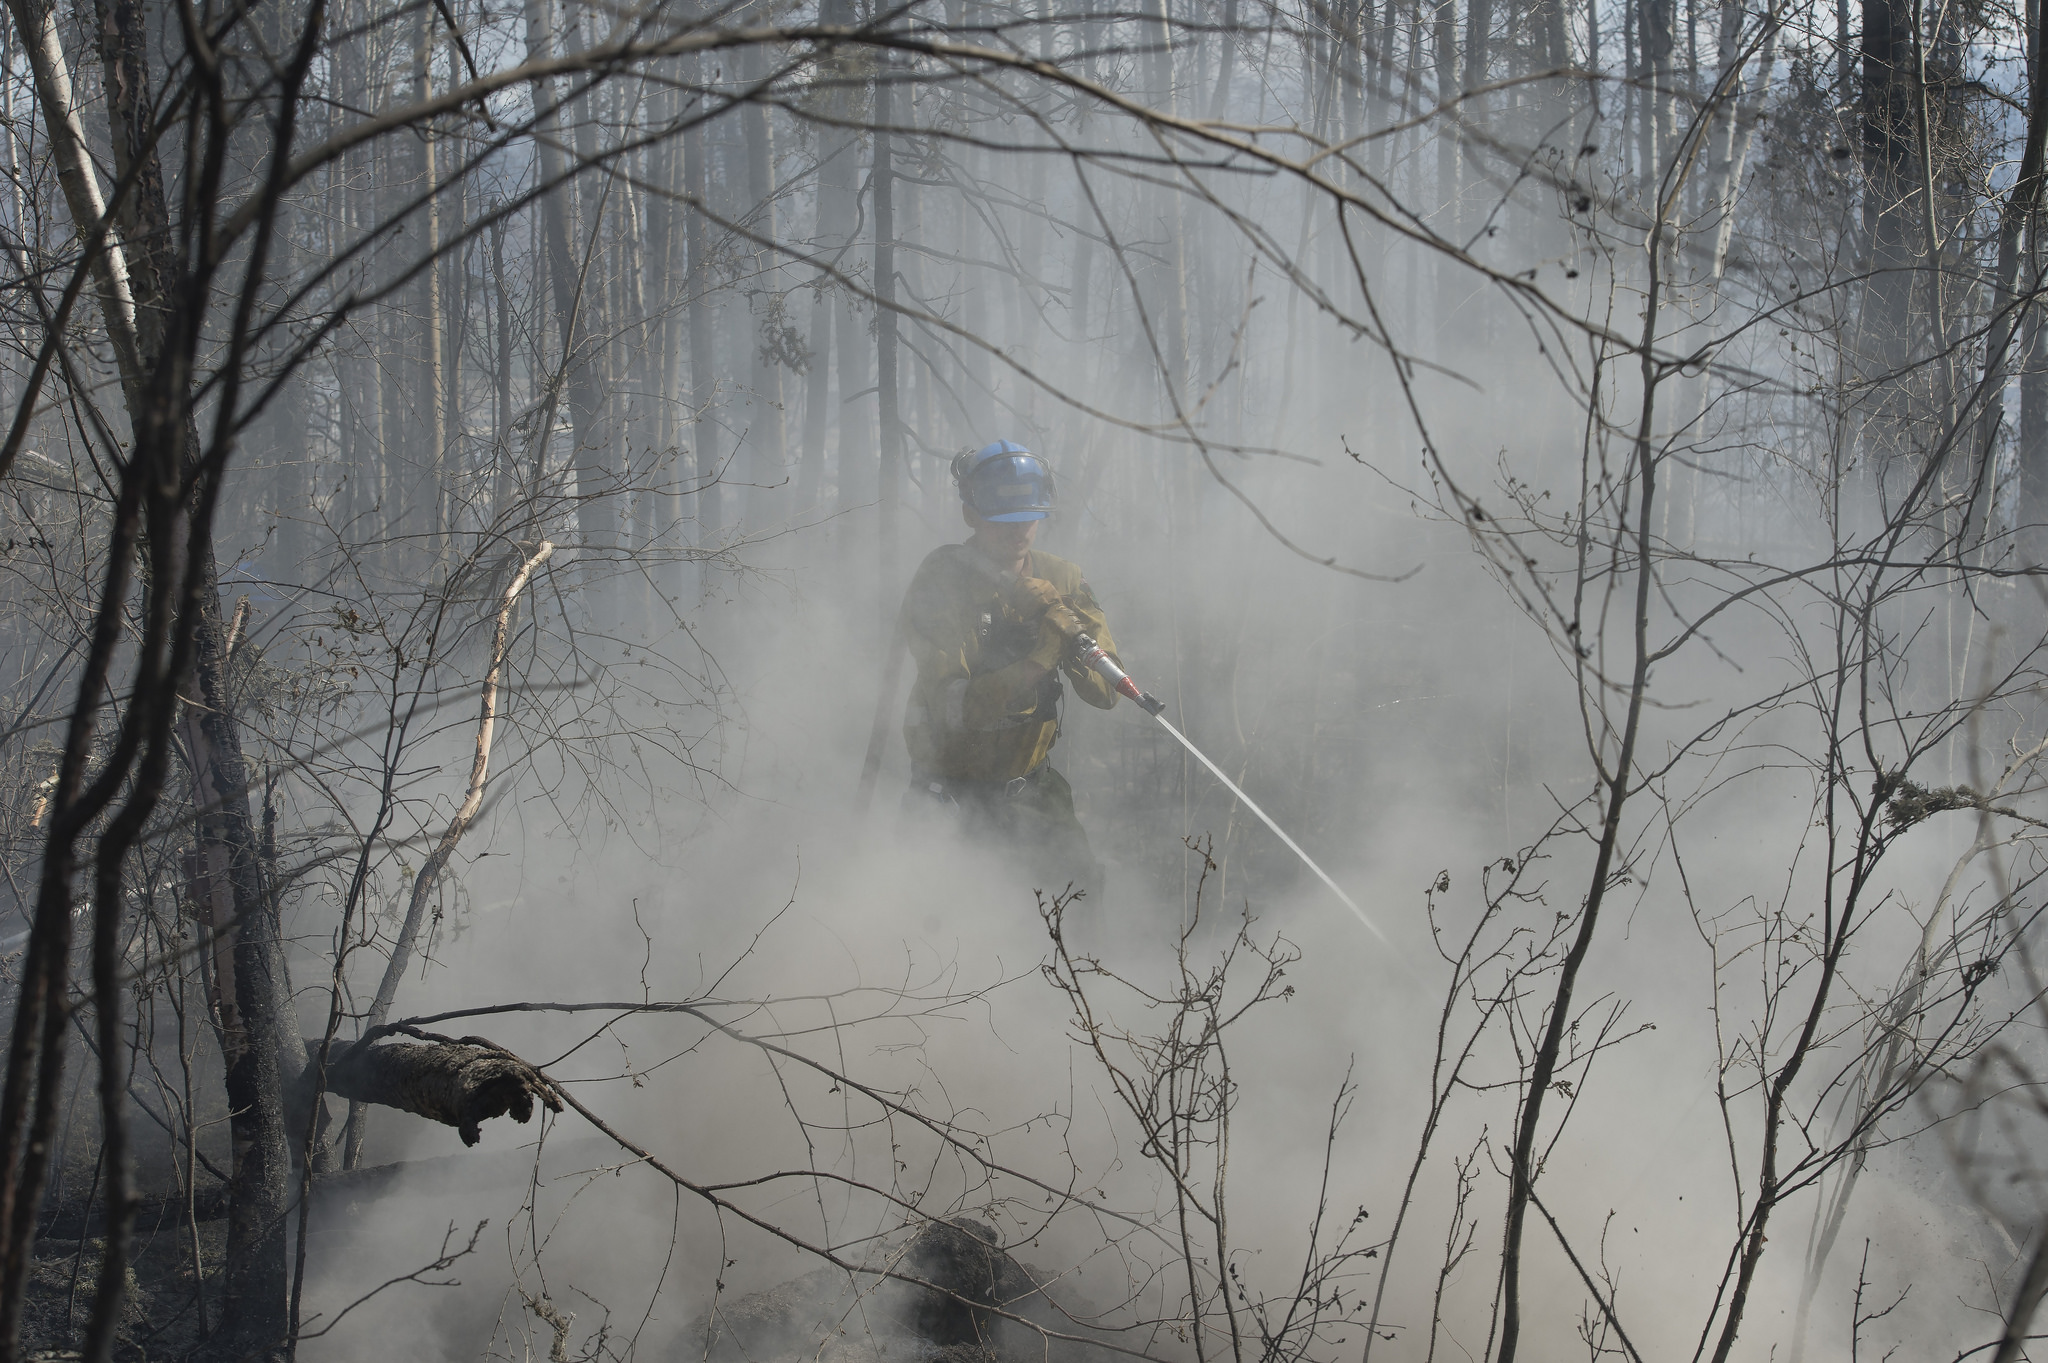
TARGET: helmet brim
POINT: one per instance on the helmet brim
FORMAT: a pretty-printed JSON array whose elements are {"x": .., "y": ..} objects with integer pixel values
[{"x": 1011, "y": 517}]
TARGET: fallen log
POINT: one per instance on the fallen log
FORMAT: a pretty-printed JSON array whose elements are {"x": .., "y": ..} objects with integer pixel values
[{"x": 462, "y": 1084}]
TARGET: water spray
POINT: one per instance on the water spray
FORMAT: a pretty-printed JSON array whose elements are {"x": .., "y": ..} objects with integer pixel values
[{"x": 1092, "y": 656}]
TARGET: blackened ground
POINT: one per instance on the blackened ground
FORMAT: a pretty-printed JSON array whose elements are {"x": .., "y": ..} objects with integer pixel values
[{"x": 981, "y": 1305}]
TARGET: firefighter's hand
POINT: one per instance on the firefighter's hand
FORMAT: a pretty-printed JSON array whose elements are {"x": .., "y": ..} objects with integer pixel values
[
  {"x": 1051, "y": 645},
  {"x": 1065, "y": 621},
  {"x": 1030, "y": 596}
]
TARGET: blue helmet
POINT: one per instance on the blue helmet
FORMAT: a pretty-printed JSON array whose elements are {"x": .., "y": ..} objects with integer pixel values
[{"x": 1004, "y": 481}]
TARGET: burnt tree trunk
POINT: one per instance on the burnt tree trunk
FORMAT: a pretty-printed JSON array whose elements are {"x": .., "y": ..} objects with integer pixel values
[{"x": 160, "y": 409}]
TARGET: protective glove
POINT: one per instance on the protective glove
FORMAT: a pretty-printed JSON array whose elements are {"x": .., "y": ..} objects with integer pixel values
[
  {"x": 1001, "y": 697},
  {"x": 1064, "y": 620},
  {"x": 1032, "y": 596},
  {"x": 1052, "y": 641}
]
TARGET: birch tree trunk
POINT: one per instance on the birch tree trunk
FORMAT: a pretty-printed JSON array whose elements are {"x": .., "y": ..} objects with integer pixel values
[
  {"x": 1889, "y": 212},
  {"x": 838, "y": 149},
  {"x": 432, "y": 400},
  {"x": 891, "y": 463},
  {"x": 566, "y": 250},
  {"x": 703, "y": 363},
  {"x": 2019, "y": 217},
  {"x": 766, "y": 440}
]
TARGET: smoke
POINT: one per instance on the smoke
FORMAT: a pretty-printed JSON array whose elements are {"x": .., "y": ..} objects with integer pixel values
[
  {"x": 1361, "y": 495},
  {"x": 1398, "y": 730}
]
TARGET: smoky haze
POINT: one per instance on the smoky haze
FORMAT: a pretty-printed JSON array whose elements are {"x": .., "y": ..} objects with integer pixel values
[{"x": 1575, "y": 467}]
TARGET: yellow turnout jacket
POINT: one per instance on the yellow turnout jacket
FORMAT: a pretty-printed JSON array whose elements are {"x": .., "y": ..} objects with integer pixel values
[{"x": 972, "y": 714}]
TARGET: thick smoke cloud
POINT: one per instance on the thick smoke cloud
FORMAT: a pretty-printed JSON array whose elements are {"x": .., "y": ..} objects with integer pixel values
[{"x": 1521, "y": 468}]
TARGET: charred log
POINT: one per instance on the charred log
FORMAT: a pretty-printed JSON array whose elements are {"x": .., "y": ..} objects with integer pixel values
[{"x": 462, "y": 1084}]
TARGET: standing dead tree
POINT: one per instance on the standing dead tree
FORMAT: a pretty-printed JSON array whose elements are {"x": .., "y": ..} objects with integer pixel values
[{"x": 437, "y": 860}]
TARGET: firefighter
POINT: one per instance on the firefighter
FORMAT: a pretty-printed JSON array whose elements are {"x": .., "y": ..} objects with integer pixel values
[{"x": 990, "y": 625}]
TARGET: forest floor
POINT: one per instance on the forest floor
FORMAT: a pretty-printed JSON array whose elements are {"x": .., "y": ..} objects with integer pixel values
[{"x": 162, "y": 1317}]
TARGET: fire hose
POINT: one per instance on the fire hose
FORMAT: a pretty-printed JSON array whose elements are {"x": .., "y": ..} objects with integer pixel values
[{"x": 1091, "y": 655}]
